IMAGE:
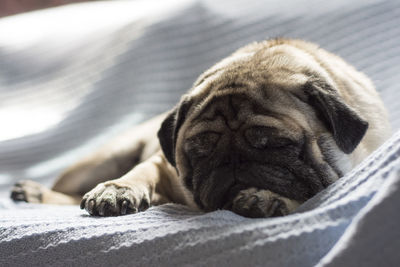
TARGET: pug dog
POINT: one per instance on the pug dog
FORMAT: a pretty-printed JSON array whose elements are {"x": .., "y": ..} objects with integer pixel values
[{"x": 259, "y": 133}]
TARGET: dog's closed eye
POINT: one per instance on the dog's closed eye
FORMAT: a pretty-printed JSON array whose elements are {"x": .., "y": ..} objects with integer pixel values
[
  {"x": 202, "y": 144},
  {"x": 262, "y": 137}
]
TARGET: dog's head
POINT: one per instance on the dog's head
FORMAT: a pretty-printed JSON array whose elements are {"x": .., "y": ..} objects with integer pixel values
[{"x": 268, "y": 117}]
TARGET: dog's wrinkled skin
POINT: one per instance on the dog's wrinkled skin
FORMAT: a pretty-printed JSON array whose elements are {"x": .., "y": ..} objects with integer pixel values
[{"x": 259, "y": 133}]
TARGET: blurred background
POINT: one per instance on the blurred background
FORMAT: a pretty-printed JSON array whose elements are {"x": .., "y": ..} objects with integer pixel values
[
  {"x": 74, "y": 75},
  {"x": 12, "y": 7}
]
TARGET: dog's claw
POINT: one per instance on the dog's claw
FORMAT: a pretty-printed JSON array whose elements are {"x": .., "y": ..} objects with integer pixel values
[
  {"x": 82, "y": 205},
  {"x": 144, "y": 205},
  {"x": 91, "y": 205},
  {"x": 253, "y": 199},
  {"x": 124, "y": 207},
  {"x": 102, "y": 208}
]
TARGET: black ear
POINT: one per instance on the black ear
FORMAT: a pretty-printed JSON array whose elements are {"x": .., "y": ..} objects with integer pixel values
[
  {"x": 347, "y": 126},
  {"x": 168, "y": 132}
]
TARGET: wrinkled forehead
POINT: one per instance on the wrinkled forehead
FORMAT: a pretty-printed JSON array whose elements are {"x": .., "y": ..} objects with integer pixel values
[
  {"x": 282, "y": 65},
  {"x": 250, "y": 84},
  {"x": 235, "y": 111}
]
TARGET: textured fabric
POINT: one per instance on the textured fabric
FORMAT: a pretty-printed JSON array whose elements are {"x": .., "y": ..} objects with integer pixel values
[
  {"x": 373, "y": 231},
  {"x": 70, "y": 81}
]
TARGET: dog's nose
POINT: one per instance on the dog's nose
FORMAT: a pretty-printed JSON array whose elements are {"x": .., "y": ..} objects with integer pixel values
[{"x": 235, "y": 160}]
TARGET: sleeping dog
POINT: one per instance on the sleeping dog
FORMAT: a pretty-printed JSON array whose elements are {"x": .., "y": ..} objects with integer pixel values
[{"x": 259, "y": 133}]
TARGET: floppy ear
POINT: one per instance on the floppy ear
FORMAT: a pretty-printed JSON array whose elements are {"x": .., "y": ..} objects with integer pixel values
[
  {"x": 347, "y": 126},
  {"x": 168, "y": 133}
]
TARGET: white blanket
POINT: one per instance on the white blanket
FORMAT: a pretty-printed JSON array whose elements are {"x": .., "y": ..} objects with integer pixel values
[{"x": 72, "y": 77}]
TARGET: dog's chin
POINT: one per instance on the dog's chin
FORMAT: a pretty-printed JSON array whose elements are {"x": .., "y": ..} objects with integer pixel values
[
  {"x": 217, "y": 188},
  {"x": 212, "y": 188}
]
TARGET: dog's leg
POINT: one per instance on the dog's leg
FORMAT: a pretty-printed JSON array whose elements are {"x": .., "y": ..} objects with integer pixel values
[
  {"x": 109, "y": 162},
  {"x": 149, "y": 183},
  {"x": 34, "y": 192},
  {"x": 80, "y": 178}
]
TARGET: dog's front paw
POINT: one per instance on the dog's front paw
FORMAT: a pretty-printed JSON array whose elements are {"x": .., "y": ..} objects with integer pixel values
[
  {"x": 259, "y": 203},
  {"x": 113, "y": 199}
]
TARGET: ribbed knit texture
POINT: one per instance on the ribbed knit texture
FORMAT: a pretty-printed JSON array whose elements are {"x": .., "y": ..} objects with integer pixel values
[{"x": 97, "y": 72}]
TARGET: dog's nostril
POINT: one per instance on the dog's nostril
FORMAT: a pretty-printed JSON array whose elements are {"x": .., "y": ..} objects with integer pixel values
[
  {"x": 226, "y": 161},
  {"x": 242, "y": 159},
  {"x": 236, "y": 159}
]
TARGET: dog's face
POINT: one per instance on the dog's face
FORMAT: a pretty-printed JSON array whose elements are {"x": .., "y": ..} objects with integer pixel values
[{"x": 266, "y": 118}]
